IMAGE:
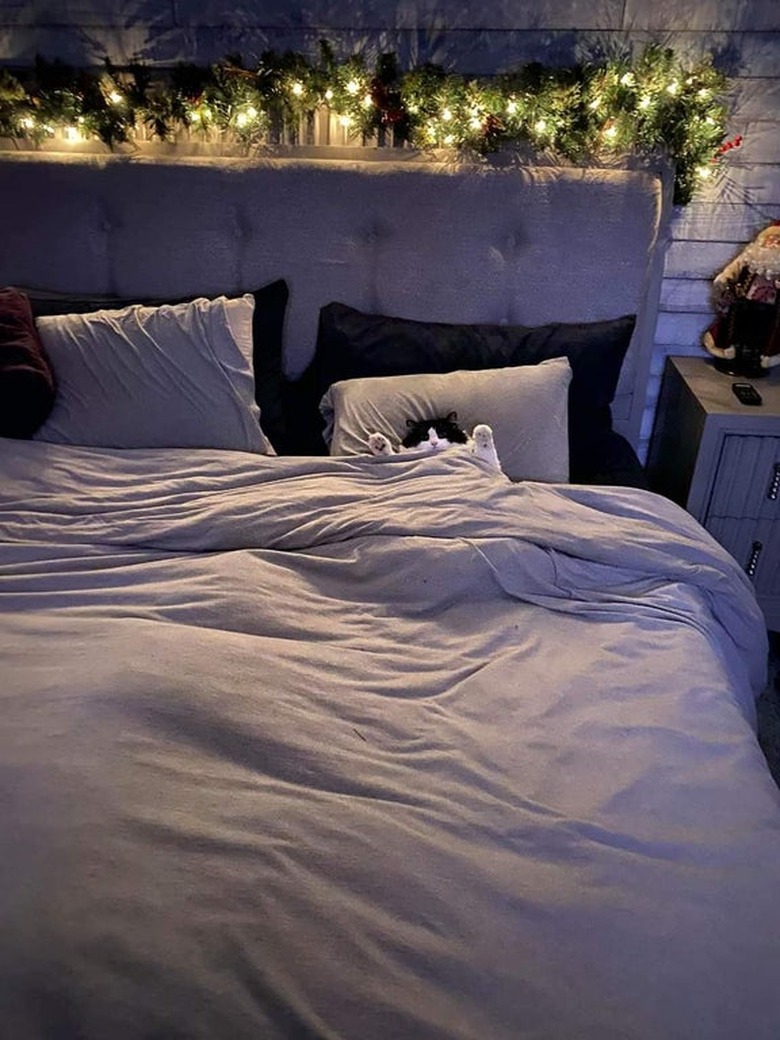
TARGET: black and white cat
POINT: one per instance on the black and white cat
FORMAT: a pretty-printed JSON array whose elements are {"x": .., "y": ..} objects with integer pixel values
[{"x": 437, "y": 434}]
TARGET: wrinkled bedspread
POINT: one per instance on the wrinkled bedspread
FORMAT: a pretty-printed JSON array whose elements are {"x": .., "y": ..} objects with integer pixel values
[{"x": 367, "y": 749}]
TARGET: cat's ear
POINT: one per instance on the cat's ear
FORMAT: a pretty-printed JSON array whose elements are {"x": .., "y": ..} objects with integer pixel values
[
  {"x": 452, "y": 416},
  {"x": 410, "y": 423}
]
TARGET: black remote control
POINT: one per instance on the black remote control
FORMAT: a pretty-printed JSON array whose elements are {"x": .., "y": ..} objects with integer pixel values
[{"x": 746, "y": 393}]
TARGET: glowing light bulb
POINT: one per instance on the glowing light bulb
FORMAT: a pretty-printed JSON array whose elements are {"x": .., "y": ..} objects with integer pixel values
[
  {"x": 645, "y": 101},
  {"x": 297, "y": 88},
  {"x": 368, "y": 101},
  {"x": 511, "y": 107},
  {"x": 449, "y": 139},
  {"x": 540, "y": 126},
  {"x": 72, "y": 134},
  {"x": 475, "y": 123},
  {"x": 610, "y": 131},
  {"x": 345, "y": 120},
  {"x": 353, "y": 86},
  {"x": 703, "y": 94},
  {"x": 704, "y": 172},
  {"x": 627, "y": 79},
  {"x": 594, "y": 104},
  {"x": 28, "y": 123},
  {"x": 115, "y": 97},
  {"x": 673, "y": 87},
  {"x": 328, "y": 94},
  {"x": 446, "y": 114},
  {"x": 242, "y": 119}
]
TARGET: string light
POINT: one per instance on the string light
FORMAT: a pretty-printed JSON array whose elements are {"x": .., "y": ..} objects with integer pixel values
[
  {"x": 656, "y": 105},
  {"x": 246, "y": 117}
]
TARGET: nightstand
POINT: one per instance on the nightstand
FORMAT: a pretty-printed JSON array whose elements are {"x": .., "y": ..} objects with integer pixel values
[{"x": 721, "y": 460}]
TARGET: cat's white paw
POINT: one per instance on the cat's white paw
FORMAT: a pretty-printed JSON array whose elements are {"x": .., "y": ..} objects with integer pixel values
[
  {"x": 483, "y": 437},
  {"x": 484, "y": 445},
  {"x": 378, "y": 444}
]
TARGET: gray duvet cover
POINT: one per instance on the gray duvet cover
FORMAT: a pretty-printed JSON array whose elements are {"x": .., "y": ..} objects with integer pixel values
[{"x": 366, "y": 749}]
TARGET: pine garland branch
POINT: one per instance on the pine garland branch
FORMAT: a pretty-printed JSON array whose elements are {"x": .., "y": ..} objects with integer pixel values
[{"x": 653, "y": 105}]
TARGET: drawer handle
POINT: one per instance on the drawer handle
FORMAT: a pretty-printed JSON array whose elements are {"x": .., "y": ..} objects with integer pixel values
[
  {"x": 774, "y": 484},
  {"x": 752, "y": 564}
]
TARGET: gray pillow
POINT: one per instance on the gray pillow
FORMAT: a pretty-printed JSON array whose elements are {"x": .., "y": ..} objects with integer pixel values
[
  {"x": 527, "y": 407},
  {"x": 173, "y": 376}
]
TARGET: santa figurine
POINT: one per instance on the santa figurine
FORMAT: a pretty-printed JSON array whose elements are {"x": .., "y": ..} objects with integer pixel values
[{"x": 744, "y": 338}]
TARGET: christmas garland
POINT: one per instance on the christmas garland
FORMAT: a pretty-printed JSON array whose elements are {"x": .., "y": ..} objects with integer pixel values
[{"x": 651, "y": 105}]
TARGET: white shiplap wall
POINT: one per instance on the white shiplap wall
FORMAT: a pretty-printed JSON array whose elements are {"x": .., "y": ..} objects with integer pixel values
[{"x": 478, "y": 36}]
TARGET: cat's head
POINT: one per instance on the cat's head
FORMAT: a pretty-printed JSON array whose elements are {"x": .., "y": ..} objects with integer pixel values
[{"x": 434, "y": 434}]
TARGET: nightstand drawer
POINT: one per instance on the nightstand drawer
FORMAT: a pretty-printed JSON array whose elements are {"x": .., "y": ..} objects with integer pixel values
[
  {"x": 748, "y": 479},
  {"x": 755, "y": 545}
]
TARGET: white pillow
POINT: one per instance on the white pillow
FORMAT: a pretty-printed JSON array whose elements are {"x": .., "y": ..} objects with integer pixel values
[
  {"x": 527, "y": 406},
  {"x": 173, "y": 376}
]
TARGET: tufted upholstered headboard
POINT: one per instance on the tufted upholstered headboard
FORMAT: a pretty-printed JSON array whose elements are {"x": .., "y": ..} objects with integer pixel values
[{"x": 416, "y": 239}]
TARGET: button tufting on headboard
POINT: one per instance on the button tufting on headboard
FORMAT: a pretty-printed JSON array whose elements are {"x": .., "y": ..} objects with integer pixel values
[{"x": 416, "y": 239}]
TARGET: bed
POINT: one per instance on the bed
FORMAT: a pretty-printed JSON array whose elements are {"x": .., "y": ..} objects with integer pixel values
[{"x": 302, "y": 742}]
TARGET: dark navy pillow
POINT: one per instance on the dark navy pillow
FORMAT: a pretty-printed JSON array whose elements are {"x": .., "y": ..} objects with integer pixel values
[{"x": 352, "y": 344}]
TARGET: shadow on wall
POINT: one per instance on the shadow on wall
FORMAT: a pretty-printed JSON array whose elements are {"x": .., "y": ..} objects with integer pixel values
[{"x": 164, "y": 32}]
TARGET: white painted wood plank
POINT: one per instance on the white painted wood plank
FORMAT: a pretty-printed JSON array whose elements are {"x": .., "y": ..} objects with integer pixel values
[
  {"x": 703, "y": 15},
  {"x": 405, "y": 14},
  {"x": 722, "y": 221},
  {"x": 756, "y": 97},
  {"x": 686, "y": 295},
  {"x": 16, "y": 12},
  {"x": 681, "y": 330},
  {"x": 89, "y": 46},
  {"x": 761, "y": 143},
  {"x": 688, "y": 259},
  {"x": 114, "y": 13},
  {"x": 753, "y": 184}
]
